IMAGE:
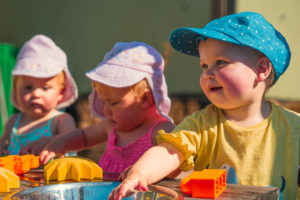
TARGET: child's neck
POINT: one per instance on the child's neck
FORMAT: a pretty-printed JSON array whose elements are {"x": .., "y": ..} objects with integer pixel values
[
  {"x": 38, "y": 117},
  {"x": 29, "y": 121},
  {"x": 128, "y": 137},
  {"x": 248, "y": 115}
]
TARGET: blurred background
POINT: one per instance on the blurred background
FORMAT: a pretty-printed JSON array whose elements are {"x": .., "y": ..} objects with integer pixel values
[{"x": 86, "y": 30}]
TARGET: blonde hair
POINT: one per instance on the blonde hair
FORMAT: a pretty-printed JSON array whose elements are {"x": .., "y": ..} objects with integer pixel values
[
  {"x": 141, "y": 89},
  {"x": 271, "y": 78},
  {"x": 61, "y": 79}
]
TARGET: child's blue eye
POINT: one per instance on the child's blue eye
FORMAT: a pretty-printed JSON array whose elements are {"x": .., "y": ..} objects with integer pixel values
[
  {"x": 220, "y": 62},
  {"x": 204, "y": 66},
  {"x": 28, "y": 87},
  {"x": 46, "y": 88},
  {"x": 113, "y": 103}
]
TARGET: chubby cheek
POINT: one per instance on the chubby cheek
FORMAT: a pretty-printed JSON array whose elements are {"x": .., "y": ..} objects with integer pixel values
[
  {"x": 23, "y": 98},
  {"x": 203, "y": 84},
  {"x": 51, "y": 102},
  {"x": 236, "y": 82}
]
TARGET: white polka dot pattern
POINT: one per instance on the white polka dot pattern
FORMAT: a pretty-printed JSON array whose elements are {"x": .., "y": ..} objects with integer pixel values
[{"x": 245, "y": 29}]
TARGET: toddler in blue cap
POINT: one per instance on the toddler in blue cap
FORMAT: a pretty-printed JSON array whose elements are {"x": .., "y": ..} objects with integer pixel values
[{"x": 241, "y": 56}]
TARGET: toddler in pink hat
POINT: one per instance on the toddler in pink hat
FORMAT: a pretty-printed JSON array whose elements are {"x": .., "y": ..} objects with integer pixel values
[
  {"x": 130, "y": 95},
  {"x": 42, "y": 84}
]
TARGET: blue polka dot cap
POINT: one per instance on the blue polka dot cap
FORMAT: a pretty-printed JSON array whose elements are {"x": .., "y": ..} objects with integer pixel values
[{"x": 246, "y": 29}]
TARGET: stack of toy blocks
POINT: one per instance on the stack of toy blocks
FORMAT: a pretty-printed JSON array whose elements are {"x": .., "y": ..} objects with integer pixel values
[
  {"x": 12, "y": 165},
  {"x": 19, "y": 164},
  {"x": 208, "y": 183}
]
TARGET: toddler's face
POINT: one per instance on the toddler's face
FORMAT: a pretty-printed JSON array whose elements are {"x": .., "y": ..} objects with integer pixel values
[
  {"x": 38, "y": 96},
  {"x": 121, "y": 106},
  {"x": 229, "y": 73}
]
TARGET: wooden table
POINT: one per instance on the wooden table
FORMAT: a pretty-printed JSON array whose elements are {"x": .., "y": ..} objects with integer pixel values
[
  {"x": 166, "y": 186},
  {"x": 232, "y": 191}
]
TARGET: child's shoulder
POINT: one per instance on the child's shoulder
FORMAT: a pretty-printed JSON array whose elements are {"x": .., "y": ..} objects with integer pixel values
[
  {"x": 12, "y": 119},
  {"x": 63, "y": 116},
  {"x": 285, "y": 112},
  {"x": 62, "y": 121}
]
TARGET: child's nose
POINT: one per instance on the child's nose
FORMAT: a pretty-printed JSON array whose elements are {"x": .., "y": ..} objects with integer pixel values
[
  {"x": 209, "y": 73},
  {"x": 36, "y": 92},
  {"x": 107, "y": 110}
]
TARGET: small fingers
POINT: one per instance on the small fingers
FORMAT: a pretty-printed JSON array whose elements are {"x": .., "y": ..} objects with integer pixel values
[
  {"x": 45, "y": 156},
  {"x": 123, "y": 190}
]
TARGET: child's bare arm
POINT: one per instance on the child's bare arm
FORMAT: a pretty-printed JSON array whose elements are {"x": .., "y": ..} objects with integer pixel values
[
  {"x": 62, "y": 124},
  {"x": 75, "y": 140},
  {"x": 154, "y": 165}
]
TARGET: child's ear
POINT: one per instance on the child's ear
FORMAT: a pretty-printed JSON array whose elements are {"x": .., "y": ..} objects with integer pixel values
[
  {"x": 93, "y": 84},
  {"x": 60, "y": 95},
  {"x": 147, "y": 99},
  {"x": 264, "y": 68}
]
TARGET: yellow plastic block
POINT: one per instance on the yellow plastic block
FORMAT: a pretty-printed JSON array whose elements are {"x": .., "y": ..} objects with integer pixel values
[
  {"x": 72, "y": 168},
  {"x": 8, "y": 180}
]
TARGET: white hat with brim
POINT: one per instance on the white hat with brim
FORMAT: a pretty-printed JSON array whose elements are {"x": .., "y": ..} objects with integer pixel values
[
  {"x": 40, "y": 57},
  {"x": 125, "y": 65}
]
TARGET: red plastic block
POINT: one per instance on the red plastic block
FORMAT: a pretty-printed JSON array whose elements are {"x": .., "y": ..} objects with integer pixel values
[{"x": 208, "y": 183}]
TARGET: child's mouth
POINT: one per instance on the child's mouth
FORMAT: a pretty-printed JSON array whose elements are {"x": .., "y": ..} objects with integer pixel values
[
  {"x": 214, "y": 89},
  {"x": 35, "y": 105}
]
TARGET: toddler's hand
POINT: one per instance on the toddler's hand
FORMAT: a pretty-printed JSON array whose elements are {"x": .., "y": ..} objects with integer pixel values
[
  {"x": 54, "y": 148},
  {"x": 128, "y": 187},
  {"x": 45, "y": 156}
]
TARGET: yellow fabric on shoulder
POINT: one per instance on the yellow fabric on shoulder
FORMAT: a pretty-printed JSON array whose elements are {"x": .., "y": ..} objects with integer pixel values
[{"x": 266, "y": 154}]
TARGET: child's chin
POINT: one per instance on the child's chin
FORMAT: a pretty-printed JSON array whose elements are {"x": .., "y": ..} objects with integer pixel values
[{"x": 39, "y": 112}]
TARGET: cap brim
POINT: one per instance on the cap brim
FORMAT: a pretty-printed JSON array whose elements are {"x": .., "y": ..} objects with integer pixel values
[{"x": 186, "y": 40}]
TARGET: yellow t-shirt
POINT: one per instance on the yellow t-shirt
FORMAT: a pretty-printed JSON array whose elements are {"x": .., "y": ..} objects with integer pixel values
[{"x": 266, "y": 154}]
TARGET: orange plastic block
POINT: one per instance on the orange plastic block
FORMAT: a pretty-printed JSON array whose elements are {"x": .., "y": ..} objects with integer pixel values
[
  {"x": 208, "y": 183},
  {"x": 19, "y": 164},
  {"x": 8, "y": 159}
]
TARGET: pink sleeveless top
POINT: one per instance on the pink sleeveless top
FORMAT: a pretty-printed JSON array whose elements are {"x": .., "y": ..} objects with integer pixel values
[{"x": 115, "y": 159}]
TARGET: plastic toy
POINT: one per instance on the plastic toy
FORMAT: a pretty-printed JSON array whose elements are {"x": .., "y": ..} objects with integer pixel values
[
  {"x": 72, "y": 168},
  {"x": 8, "y": 180},
  {"x": 19, "y": 164},
  {"x": 208, "y": 183}
]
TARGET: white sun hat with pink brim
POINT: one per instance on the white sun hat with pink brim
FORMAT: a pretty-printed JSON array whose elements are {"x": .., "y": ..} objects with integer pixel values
[
  {"x": 126, "y": 64},
  {"x": 40, "y": 57}
]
